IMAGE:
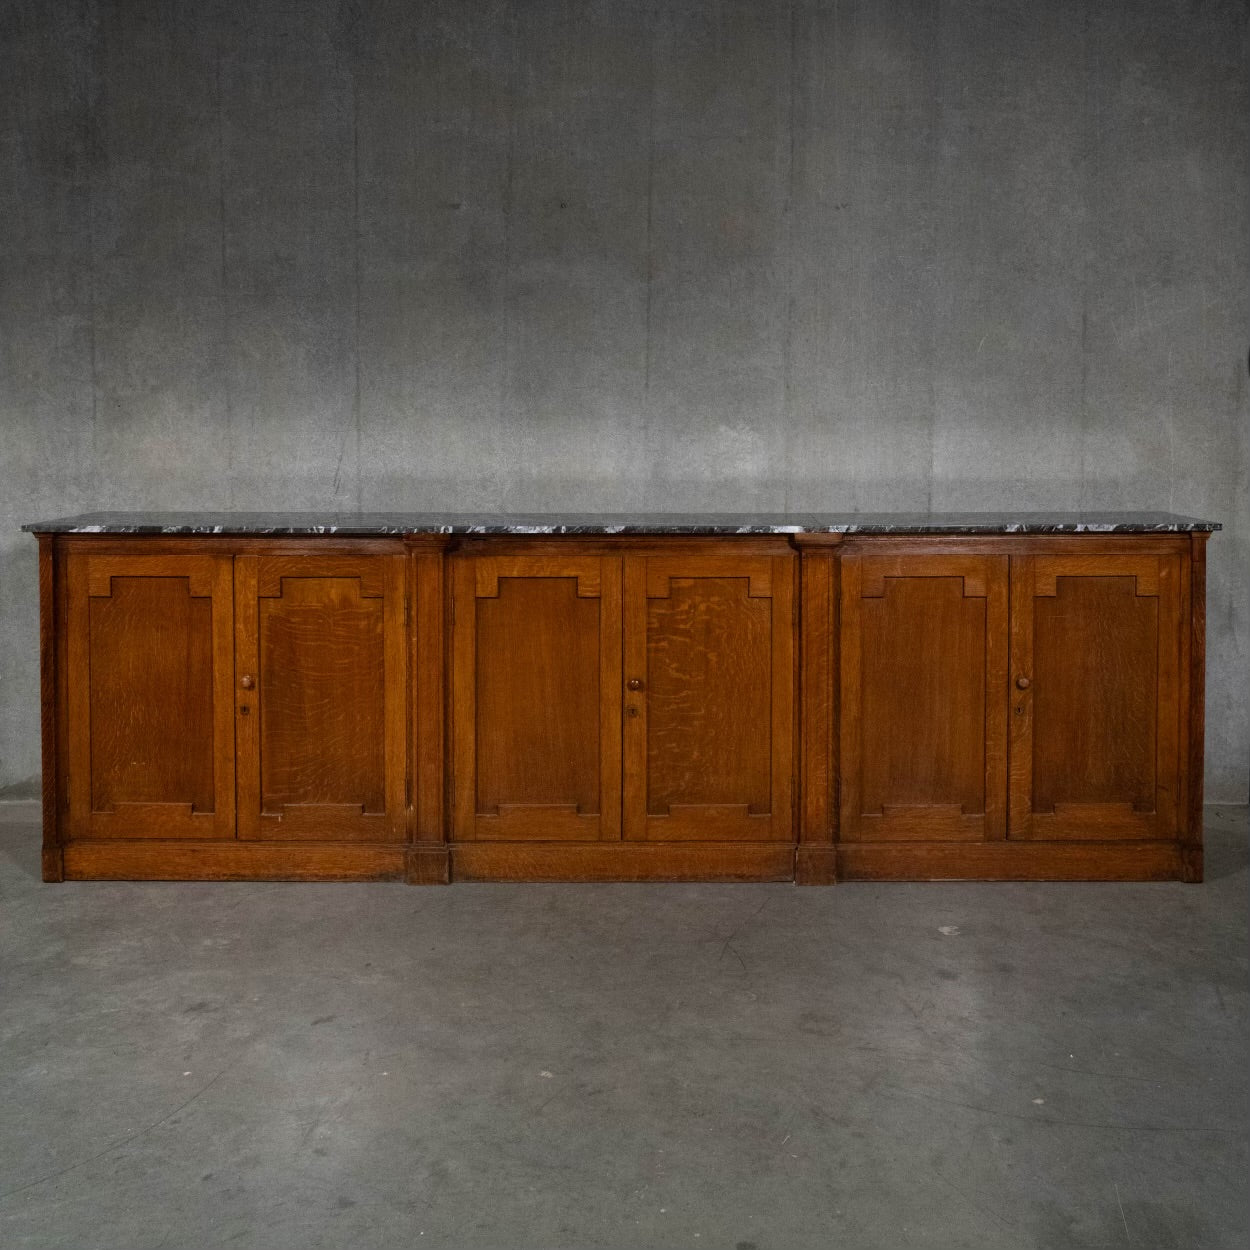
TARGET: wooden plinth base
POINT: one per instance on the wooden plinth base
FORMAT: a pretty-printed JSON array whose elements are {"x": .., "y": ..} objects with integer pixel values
[
  {"x": 647, "y": 861},
  {"x": 1010, "y": 861},
  {"x": 152, "y": 860},
  {"x": 438, "y": 864}
]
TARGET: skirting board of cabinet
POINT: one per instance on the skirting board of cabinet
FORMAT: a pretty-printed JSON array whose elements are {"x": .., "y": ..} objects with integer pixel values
[
  {"x": 561, "y": 861},
  {"x": 152, "y": 860},
  {"x": 1014, "y": 861}
]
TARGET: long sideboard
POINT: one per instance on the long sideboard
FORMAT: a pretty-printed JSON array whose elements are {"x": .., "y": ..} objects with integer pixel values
[{"x": 437, "y": 698}]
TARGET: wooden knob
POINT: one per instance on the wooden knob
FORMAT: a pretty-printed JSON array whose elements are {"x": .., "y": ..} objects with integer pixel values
[
  {"x": 634, "y": 683},
  {"x": 247, "y": 682},
  {"x": 1023, "y": 683}
]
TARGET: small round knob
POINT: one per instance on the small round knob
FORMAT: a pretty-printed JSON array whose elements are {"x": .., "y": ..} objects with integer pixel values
[
  {"x": 634, "y": 683},
  {"x": 247, "y": 682},
  {"x": 1023, "y": 683}
]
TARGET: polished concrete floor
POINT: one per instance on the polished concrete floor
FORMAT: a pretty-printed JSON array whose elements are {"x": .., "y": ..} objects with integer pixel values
[{"x": 738, "y": 1067}]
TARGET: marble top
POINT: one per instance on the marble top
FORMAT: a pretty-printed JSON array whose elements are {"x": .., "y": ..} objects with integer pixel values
[{"x": 360, "y": 523}]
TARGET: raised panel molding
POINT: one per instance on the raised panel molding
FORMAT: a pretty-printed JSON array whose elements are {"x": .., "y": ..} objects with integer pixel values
[
  {"x": 709, "y": 702},
  {"x": 1096, "y": 697},
  {"x": 321, "y": 682},
  {"x": 536, "y": 698},
  {"x": 149, "y": 742},
  {"x": 924, "y": 718}
]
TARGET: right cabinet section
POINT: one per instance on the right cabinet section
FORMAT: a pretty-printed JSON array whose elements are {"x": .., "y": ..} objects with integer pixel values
[
  {"x": 1003, "y": 691},
  {"x": 1095, "y": 696}
]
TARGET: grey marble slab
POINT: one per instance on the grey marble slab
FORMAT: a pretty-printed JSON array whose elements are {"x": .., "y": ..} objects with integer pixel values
[{"x": 361, "y": 523}]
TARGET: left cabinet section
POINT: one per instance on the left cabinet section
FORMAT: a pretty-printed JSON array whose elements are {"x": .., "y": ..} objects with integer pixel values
[
  {"x": 242, "y": 708},
  {"x": 149, "y": 734}
]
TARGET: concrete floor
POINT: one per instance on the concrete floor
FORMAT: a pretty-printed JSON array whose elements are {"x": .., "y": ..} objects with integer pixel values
[{"x": 746, "y": 1067}]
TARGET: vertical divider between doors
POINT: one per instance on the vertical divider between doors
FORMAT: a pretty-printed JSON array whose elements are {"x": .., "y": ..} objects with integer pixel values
[
  {"x": 428, "y": 651},
  {"x": 1167, "y": 743},
  {"x": 850, "y": 643},
  {"x": 815, "y": 861},
  {"x": 611, "y": 630},
  {"x": 783, "y": 740},
  {"x": 817, "y": 654},
  {"x": 1020, "y": 662},
  {"x": 225, "y": 743},
  {"x": 463, "y": 699},
  {"x": 395, "y": 694},
  {"x": 997, "y": 699},
  {"x": 247, "y": 727},
  {"x": 634, "y": 728}
]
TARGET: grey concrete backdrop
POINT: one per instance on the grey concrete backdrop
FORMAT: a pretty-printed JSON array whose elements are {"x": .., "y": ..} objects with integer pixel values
[{"x": 541, "y": 255}]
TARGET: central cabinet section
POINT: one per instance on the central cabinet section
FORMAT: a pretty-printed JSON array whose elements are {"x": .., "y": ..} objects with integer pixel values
[{"x": 609, "y": 693}]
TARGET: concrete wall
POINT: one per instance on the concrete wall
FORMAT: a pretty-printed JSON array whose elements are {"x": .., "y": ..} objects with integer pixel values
[{"x": 686, "y": 254}]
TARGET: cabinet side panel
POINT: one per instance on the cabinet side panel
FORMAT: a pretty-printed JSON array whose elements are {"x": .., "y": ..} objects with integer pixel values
[
  {"x": 49, "y": 697},
  {"x": 1191, "y": 852}
]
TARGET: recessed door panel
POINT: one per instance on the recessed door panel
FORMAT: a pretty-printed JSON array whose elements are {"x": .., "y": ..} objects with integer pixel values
[
  {"x": 321, "y": 681},
  {"x": 1095, "y": 663},
  {"x": 924, "y": 719},
  {"x": 150, "y": 736},
  {"x": 708, "y": 697},
  {"x": 537, "y": 698}
]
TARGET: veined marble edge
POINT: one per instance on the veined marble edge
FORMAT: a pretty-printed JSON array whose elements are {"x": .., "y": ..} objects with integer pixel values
[{"x": 680, "y": 525}]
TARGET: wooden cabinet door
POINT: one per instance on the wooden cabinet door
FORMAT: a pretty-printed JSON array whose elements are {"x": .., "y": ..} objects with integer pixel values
[
  {"x": 924, "y": 712},
  {"x": 1095, "y": 660},
  {"x": 321, "y": 682},
  {"x": 536, "y": 697},
  {"x": 709, "y": 697},
  {"x": 150, "y": 739}
]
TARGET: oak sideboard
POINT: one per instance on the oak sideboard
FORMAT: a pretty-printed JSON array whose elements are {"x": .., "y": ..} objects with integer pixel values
[{"x": 439, "y": 698}]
